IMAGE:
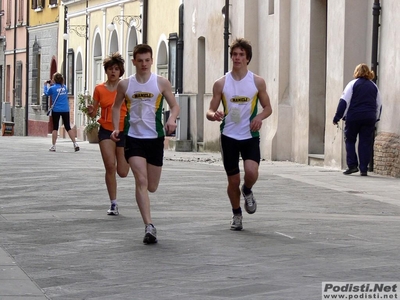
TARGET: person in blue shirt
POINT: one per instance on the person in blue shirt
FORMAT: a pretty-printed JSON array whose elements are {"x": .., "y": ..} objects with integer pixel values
[
  {"x": 360, "y": 107},
  {"x": 60, "y": 108}
]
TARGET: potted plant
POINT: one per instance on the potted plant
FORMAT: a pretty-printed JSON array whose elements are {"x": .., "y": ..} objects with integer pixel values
[{"x": 92, "y": 127}]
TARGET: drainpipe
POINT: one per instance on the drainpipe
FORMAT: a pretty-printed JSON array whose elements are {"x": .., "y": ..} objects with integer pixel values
[
  {"x": 86, "y": 47},
  {"x": 27, "y": 76},
  {"x": 179, "y": 71},
  {"x": 145, "y": 20},
  {"x": 65, "y": 24},
  {"x": 15, "y": 57},
  {"x": 226, "y": 37},
  {"x": 376, "y": 11}
]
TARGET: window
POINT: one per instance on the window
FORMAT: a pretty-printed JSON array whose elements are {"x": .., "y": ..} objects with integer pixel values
[
  {"x": 98, "y": 70},
  {"x": 37, "y": 4},
  {"x": 71, "y": 71},
  {"x": 18, "y": 84},
  {"x": 9, "y": 13},
  {"x": 271, "y": 7},
  {"x": 53, "y": 2},
  {"x": 162, "y": 61},
  {"x": 173, "y": 38},
  {"x": 21, "y": 11},
  {"x": 35, "y": 73}
]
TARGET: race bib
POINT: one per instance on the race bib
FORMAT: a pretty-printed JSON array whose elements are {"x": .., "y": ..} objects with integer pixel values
[{"x": 235, "y": 115}]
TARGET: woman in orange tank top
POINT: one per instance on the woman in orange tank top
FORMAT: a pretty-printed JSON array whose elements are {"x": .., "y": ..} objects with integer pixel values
[{"x": 111, "y": 152}]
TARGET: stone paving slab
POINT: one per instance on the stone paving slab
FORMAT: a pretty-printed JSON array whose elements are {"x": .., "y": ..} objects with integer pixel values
[{"x": 312, "y": 225}]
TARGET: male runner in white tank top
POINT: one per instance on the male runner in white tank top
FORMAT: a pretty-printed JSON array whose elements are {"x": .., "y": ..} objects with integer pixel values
[
  {"x": 144, "y": 149},
  {"x": 240, "y": 91}
]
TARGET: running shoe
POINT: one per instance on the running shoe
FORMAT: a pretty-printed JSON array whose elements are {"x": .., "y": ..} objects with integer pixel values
[
  {"x": 150, "y": 236},
  {"x": 236, "y": 223},
  {"x": 52, "y": 148},
  {"x": 76, "y": 147},
  {"x": 113, "y": 210},
  {"x": 250, "y": 204}
]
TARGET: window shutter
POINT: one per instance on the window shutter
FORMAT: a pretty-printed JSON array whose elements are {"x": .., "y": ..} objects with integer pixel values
[{"x": 18, "y": 84}]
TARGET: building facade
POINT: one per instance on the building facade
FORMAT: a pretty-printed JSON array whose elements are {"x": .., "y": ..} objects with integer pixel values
[
  {"x": 98, "y": 28},
  {"x": 5, "y": 108},
  {"x": 43, "y": 43},
  {"x": 14, "y": 21},
  {"x": 305, "y": 49}
]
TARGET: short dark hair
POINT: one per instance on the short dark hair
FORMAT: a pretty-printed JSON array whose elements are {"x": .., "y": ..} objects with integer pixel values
[
  {"x": 141, "y": 49},
  {"x": 114, "y": 59},
  {"x": 244, "y": 45}
]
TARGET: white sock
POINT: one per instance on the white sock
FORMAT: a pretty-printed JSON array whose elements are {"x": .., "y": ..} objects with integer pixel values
[{"x": 114, "y": 201}]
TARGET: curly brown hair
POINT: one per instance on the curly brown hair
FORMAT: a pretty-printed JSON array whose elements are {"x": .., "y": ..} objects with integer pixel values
[
  {"x": 362, "y": 70},
  {"x": 114, "y": 59},
  {"x": 244, "y": 45}
]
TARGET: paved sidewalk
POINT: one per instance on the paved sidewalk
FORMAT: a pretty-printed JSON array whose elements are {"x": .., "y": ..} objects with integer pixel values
[{"x": 312, "y": 225}]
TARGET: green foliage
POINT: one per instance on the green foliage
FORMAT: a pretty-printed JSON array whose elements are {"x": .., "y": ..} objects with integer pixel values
[{"x": 91, "y": 122}]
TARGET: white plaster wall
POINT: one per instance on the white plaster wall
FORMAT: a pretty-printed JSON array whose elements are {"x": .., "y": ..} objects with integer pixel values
[
  {"x": 276, "y": 70},
  {"x": 389, "y": 65},
  {"x": 282, "y": 46},
  {"x": 203, "y": 19},
  {"x": 299, "y": 78},
  {"x": 347, "y": 46}
]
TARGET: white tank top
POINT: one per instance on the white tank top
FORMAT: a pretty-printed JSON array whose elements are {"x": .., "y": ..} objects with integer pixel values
[
  {"x": 144, "y": 103},
  {"x": 240, "y": 102}
]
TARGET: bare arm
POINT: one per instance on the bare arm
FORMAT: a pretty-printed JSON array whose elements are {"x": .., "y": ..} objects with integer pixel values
[
  {"x": 166, "y": 90},
  {"x": 264, "y": 101},
  {"x": 116, "y": 108},
  {"x": 213, "y": 114},
  {"x": 92, "y": 108}
]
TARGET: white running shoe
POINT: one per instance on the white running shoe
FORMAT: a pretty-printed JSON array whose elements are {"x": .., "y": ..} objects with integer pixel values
[
  {"x": 150, "y": 236},
  {"x": 236, "y": 223},
  {"x": 113, "y": 210}
]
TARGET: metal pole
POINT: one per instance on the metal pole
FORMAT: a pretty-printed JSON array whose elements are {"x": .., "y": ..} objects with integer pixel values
[
  {"x": 65, "y": 44},
  {"x": 376, "y": 11},
  {"x": 14, "y": 59},
  {"x": 86, "y": 47},
  {"x": 179, "y": 54},
  {"x": 226, "y": 37}
]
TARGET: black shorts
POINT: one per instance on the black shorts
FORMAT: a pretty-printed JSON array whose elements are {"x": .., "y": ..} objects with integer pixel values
[
  {"x": 231, "y": 149},
  {"x": 105, "y": 134},
  {"x": 151, "y": 149}
]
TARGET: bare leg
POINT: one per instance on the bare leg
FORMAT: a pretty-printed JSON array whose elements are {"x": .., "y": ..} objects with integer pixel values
[
  {"x": 233, "y": 190},
  {"x": 122, "y": 165},
  {"x": 250, "y": 173},
  {"x": 54, "y": 134},
  {"x": 71, "y": 134},
  {"x": 107, "y": 149},
  {"x": 147, "y": 178}
]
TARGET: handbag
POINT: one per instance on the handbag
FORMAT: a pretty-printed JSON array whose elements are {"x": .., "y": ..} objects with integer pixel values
[{"x": 50, "y": 111}]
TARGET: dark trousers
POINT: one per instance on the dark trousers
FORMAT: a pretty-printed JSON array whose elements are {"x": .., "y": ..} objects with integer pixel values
[{"x": 364, "y": 129}]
